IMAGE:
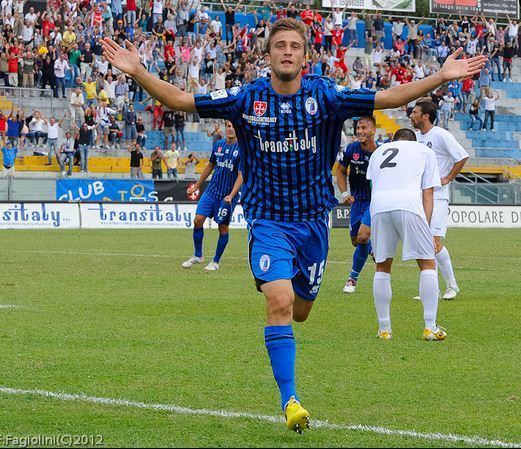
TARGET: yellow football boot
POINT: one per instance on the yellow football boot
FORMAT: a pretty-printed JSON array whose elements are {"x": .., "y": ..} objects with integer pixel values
[
  {"x": 297, "y": 417},
  {"x": 438, "y": 334}
]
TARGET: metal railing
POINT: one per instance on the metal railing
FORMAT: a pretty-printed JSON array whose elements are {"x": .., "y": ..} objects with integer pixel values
[
  {"x": 25, "y": 188},
  {"x": 483, "y": 194},
  {"x": 20, "y": 95}
]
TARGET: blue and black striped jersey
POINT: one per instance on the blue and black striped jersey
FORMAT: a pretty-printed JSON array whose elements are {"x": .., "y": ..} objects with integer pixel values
[
  {"x": 288, "y": 143},
  {"x": 226, "y": 159},
  {"x": 357, "y": 160}
]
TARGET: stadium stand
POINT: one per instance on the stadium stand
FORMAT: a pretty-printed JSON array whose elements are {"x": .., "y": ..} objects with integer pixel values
[{"x": 64, "y": 30}]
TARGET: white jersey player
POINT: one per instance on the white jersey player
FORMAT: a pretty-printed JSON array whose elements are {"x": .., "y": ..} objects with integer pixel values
[
  {"x": 404, "y": 174},
  {"x": 451, "y": 157}
]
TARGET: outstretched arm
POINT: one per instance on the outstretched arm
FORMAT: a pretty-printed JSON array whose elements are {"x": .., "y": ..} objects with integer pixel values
[
  {"x": 452, "y": 69},
  {"x": 127, "y": 60}
]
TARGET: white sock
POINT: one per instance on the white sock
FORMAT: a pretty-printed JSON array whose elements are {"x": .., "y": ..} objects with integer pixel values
[
  {"x": 382, "y": 299},
  {"x": 429, "y": 296},
  {"x": 445, "y": 264}
]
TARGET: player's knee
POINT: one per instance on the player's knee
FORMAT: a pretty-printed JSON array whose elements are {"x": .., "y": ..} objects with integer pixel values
[
  {"x": 363, "y": 237},
  {"x": 300, "y": 315},
  {"x": 280, "y": 305},
  {"x": 223, "y": 229},
  {"x": 439, "y": 244},
  {"x": 198, "y": 222}
]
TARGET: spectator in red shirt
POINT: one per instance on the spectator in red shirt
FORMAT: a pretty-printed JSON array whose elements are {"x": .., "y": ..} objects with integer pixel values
[
  {"x": 169, "y": 49},
  {"x": 47, "y": 24},
  {"x": 340, "y": 55},
  {"x": 399, "y": 46},
  {"x": 12, "y": 64},
  {"x": 3, "y": 124},
  {"x": 307, "y": 16},
  {"x": 338, "y": 36},
  {"x": 319, "y": 35},
  {"x": 130, "y": 17},
  {"x": 467, "y": 89}
]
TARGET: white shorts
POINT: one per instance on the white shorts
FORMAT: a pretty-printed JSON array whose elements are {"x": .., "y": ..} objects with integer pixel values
[
  {"x": 440, "y": 217},
  {"x": 388, "y": 228}
]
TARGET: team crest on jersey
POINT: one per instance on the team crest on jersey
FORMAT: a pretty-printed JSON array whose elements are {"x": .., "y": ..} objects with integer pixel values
[
  {"x": 235, "y": 153},
  {"x": 429, "y": 144},
  {"x": 235, "y": 90},
  {"x": 311, "y": 106},
  {"x": 340, "y": 88},
  {"x": 260, "y": 107},
  {"x": 265, "y": 263},
  {"x": 219, "y": 149},
  {"x": 356, "y": 156},
  {"x": 285, "y": 108},
  {"x": 218, "y": 94}
]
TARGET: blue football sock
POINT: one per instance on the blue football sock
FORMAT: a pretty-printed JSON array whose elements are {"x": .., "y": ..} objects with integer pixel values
[
  {"x": 281, "y": 349},
  {"x": 221, "y": 246},
  {"x": 359, "y": 258},
  {"x": 198, "y": 241}
]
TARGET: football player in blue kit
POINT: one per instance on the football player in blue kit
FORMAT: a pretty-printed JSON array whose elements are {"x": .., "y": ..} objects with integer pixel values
[
  {"x": 220, "y": 197},
  {"x": 289, "y": 128},
  {"x": 356, "y": 158}
]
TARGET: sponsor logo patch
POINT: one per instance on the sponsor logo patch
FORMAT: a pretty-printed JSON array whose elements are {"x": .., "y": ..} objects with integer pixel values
[
  {"x": 265, "y": 263},
  {"x": 218, "y": 94},
  {"x": 311, "y": 106},
  {"x": 259, "y": 108}
]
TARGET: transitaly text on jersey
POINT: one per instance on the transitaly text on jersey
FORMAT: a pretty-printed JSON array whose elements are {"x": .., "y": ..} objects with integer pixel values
[{"x": 288, "y": 143}]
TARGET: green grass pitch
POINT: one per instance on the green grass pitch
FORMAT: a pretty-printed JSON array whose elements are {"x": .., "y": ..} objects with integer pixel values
[{"x": 112, "y": 314}]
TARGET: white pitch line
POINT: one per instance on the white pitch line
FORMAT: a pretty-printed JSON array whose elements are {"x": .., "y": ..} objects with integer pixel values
[
  {"x": 453, "y": 438},
  {"x": 10, "y": 306}
]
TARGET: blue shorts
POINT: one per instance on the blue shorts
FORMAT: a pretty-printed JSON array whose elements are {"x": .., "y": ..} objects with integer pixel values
[
  {"x": 360, "y": 214},
  {"x": 296, "y": 251},
  {"x": 215, "y": 208}
]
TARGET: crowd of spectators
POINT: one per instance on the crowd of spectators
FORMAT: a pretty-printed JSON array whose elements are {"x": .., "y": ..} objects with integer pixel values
[{"x": 58, "y": 47}]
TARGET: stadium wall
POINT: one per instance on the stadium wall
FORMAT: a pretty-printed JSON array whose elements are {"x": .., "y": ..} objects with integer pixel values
[{"x": 117, "y": 215}]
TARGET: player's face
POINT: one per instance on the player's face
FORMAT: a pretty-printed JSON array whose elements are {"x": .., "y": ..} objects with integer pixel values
[
  {"x": 417, "y": 119},
  {"x": 287, "y": 55},
  {"x": 365, "y": 131},
  {"x": 230, "y": 131}
]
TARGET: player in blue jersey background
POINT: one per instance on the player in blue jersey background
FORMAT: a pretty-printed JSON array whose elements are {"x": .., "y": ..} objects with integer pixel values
[
  {"x": 356, "y": 158},
  {"x": 219, "y": 198},
  {"x": 288, "y": 127}
]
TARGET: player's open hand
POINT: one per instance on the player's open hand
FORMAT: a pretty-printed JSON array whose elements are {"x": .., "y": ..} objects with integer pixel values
[
  {"x": 125, "y": 59},
  {"x": 462, "y": 68}
]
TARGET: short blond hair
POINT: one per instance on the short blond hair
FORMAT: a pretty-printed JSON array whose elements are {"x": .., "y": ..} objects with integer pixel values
[{"x": 288, "y": 24}]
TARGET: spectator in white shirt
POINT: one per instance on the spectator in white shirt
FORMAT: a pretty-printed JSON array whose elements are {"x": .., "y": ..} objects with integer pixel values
[
  {"x": 76, "y": 107},
  {"x": 490, "y": 108},
  {"x": 217, "y": 26},
  {"x": 31, "y": 16},
  {"x": 36, "y": 129},
  {"x": 446, "y": 108},
  {"x": 28, "y": 34},
  {"x": 194, "y": 70},
  {"x": 60, "y": 67},
  {"x": 53, "y": 132}
]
